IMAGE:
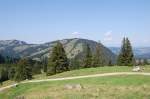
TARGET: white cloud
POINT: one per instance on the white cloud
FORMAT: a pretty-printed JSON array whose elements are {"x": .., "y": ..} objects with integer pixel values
[
  {"x": 146, "y": 41},
  {"x": 108, "y": 36},
  {"x": 75, "y": 33}
]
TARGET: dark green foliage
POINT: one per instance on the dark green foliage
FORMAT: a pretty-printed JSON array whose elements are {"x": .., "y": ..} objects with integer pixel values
[
  {"x": 87, "y": 62},
  {"x": 142, "y": 62},
  {"x": 2, "y": 59},
  {"x": 44, "y": 62},
  {"x": 98, "y": 58},
  {"x": 74, "y": 64},
  {"x": 126, "y": 56},
  {"x": 58, "y": 61},
  {"x": 11, "y": 73},
  {"x": 145, "y": 61},
  {"x": 28, "y": 70},
  {"x": 110, "y": 63},
  {"x": 23, "y": 70},
  {"x": 11, "y": 60},
  {"x": 7, "y": 71},
  {"x": 3, "y": 73},
  {"x": 37, "y": 66}
]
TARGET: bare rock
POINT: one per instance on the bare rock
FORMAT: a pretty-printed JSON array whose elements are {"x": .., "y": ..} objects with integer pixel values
[
  {"x": 20, "y": 97},
  {"x": 74, "y": 86},
  {"x": 136, "y": 69},
  {"x": 78, "y": 87},
  {"x": 68, "y": 87}
]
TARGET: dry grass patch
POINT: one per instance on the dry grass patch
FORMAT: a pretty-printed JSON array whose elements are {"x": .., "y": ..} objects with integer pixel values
[{"x": 92, "y": 92}]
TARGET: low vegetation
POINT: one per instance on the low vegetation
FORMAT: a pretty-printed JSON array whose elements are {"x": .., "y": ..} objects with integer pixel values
[
  {"x": 120, "y": 87},
  {"x": 91, "y": 71}
]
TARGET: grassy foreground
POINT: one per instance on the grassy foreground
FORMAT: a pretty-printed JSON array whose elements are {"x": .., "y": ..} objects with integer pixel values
[
  {"x": 90, "y": 71},
  {"x": 112, "y": 87},
  {"x": 82, "y": 72}
]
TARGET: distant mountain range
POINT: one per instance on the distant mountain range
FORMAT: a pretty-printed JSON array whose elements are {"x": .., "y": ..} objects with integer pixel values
[
  {"x": 74, "y": 48},
  {"x": 140, "y": 52}
]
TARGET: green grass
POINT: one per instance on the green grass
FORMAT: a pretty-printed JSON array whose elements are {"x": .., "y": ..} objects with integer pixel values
[
  {"x": 112, "y": 87},
  {"x": 6, "y": 83},
  {"x": 86, "y": 71},
  {"x": 90, "y": 71}
]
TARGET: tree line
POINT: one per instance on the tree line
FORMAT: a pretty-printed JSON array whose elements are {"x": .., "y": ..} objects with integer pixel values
[{"x": 19, "y": 69}]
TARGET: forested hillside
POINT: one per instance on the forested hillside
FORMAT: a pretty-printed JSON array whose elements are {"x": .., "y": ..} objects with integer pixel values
[{"x": 74, "y": 48}]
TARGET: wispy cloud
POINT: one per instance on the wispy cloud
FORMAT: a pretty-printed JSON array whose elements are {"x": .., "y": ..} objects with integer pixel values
[
  {"x": 108, "y": 36},
  {"x": 75, "y": 33}
]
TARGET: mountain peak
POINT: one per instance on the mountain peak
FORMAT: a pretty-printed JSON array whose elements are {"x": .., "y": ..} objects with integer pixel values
[{"x": 12, "y": 42}]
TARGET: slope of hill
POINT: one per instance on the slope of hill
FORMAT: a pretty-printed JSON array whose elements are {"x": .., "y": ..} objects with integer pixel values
[{"x": 73, "y": 47}]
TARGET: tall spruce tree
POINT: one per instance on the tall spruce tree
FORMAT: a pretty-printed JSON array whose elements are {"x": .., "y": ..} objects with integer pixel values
[
  {"x": 23, "y": 70},
  {"x": 121, "y": 57},
  {"x": 44, "y": 62},
  {"x": 98, "y": 59},
  {"x": 3, "y": 73},
  {"x": 58, "y": 61},
  {"x": 88, "y": 57},
  {"x": 126, "y": 56},
  {"x": 130, "y": 56}
]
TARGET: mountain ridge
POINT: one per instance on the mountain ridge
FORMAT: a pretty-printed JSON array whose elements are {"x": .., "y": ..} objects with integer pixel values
[{"x": 74, "y": 48}]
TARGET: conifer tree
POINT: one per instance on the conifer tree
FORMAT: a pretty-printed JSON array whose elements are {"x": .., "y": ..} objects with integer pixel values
[
  {"x": 130, "y": 56},
  {"x": 121, "y": 57},
  {"x": 11, "y": 73},
  {"x": 98, "y": 59},
  {"x": 126, "y": 56},
  {"x": 3, "y": 73},
  {"x": 23, "y": 70},
  {"x": 44, "y": 62},
  {"x": 58, "y": 61},
  {"x": 88, "y": 57},
  {"x": 74, "y": 64}
]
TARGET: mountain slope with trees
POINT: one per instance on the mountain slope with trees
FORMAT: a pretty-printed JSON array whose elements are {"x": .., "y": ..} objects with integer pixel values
[{"x": 75, "y": 48}]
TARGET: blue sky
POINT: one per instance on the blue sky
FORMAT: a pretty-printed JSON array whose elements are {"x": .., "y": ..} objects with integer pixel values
[{"x": 108, "y": 21}]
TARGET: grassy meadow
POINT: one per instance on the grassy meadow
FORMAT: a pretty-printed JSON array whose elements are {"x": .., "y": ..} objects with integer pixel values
[
  {"x": 110, "y": 87},
  {"x": 91, "y": 71}
]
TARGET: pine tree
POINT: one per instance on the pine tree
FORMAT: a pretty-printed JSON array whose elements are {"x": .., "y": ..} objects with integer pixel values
[
  {"x": 11, "y": 73},
  {"x": 121, "y": 57},
  {"x": 36, "y": 67},
  {"x": 58, "y": 61},
  {"x": 74, "y": 64},
  {"x": 23, "y": 70},
  {"x": 44, "y": 61},
  {"x": 88, "y": 57},
  {"x": 130, "y": 56},
  {"x": 126, "y": 56},
  {"x": 3, "y": 73},
  {"x": 98, "y": 59}
]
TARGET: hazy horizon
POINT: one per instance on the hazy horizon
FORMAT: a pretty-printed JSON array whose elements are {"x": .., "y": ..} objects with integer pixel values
[{"x": 36, "y": 21}]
